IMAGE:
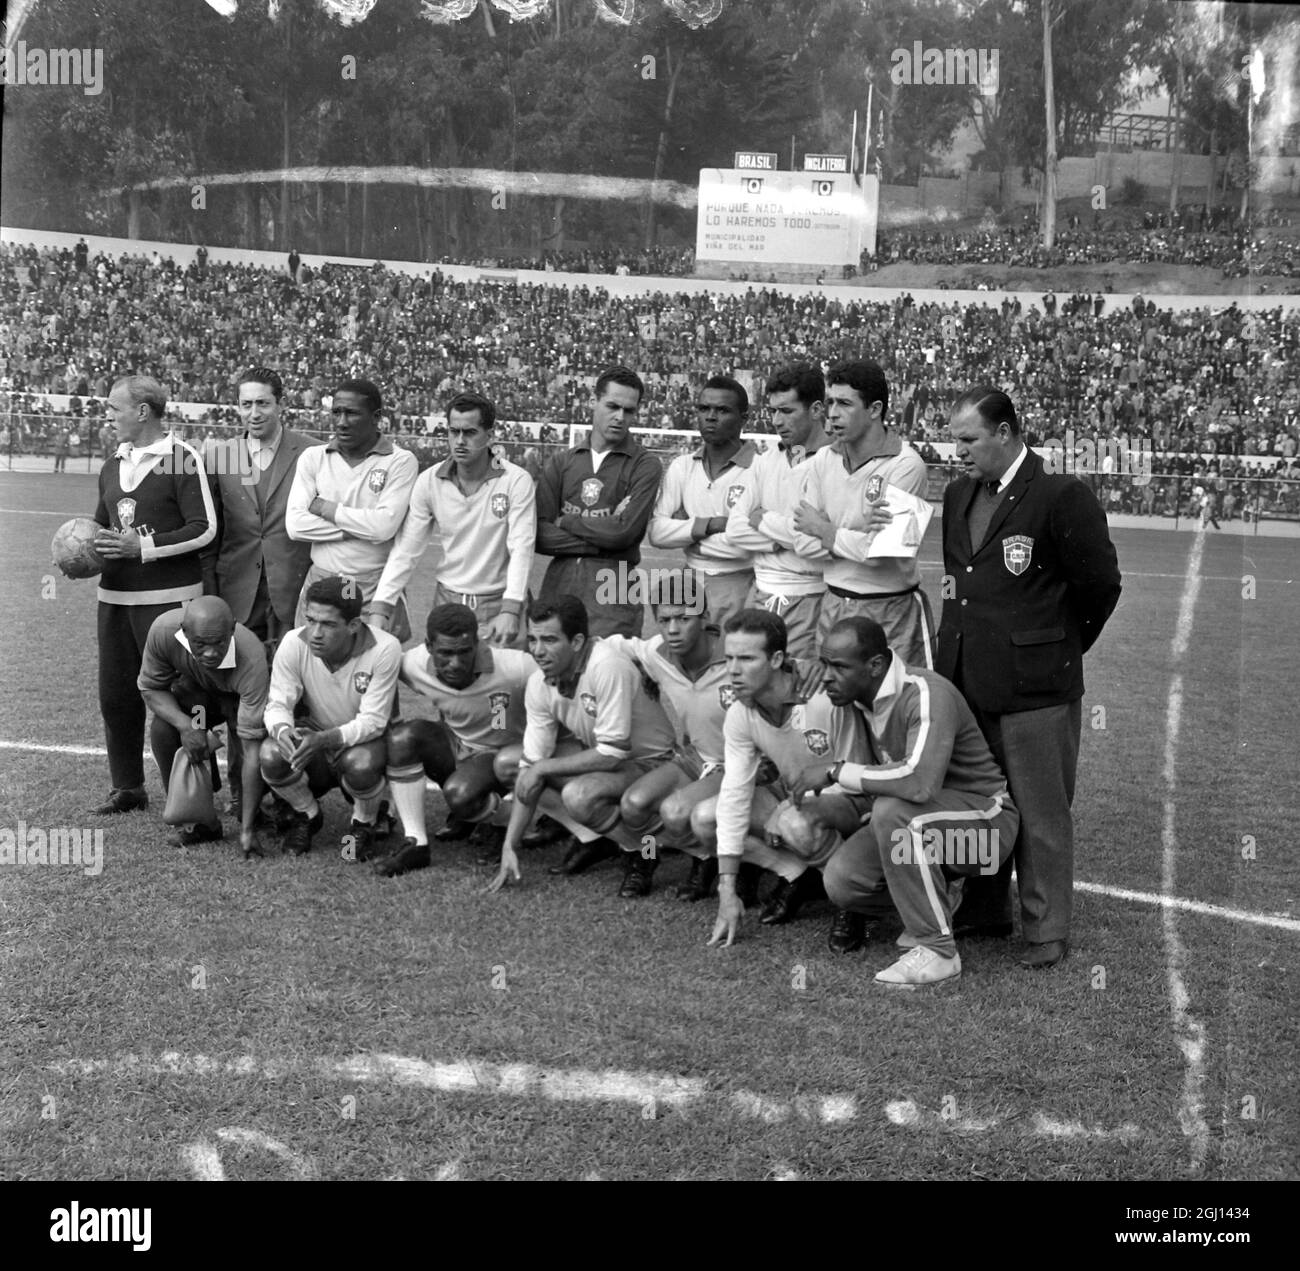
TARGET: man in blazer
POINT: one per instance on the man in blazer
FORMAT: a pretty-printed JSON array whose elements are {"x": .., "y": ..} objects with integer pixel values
[
  {"x": 259, "y": 569},
  {"x": 1031, "y": 577}
]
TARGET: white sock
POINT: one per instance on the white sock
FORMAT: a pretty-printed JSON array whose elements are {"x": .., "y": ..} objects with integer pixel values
[
  {"x": 408, "y": 799},
  {"x": 297, "y": 794},
  {"x": 365, "y": 810}
]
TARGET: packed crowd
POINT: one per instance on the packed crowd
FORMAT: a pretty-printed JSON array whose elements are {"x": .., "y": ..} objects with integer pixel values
[
  {"x": 1196, "y": 381},
  {"x": 1205, "y": 239},
  {"x": 659, "y": 262}
]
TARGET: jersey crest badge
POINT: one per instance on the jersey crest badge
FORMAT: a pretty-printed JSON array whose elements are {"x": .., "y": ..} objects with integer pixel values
[
  {"x": 126, "y": 513},
  {"x": 498, "y": 702},
  {"x": 1017, "y": 551},
  {"x": 817, "y": 741},
  {"x": 797, "y": 455},
  {"x": 874, "y": 486},
  {"x": 588, "y": 701},
  {"x": 500, "y": 506},
  {"x": 733, "y": 495},
  {"x": 377, "y": 479},
  {"x": 361, "y": 681},
  {"x": 591, "y": 489},
  {"x": 726, "y": 695}
]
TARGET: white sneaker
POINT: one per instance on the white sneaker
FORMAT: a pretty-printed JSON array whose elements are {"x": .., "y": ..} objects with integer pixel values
[{"x": 920, "y": 967}]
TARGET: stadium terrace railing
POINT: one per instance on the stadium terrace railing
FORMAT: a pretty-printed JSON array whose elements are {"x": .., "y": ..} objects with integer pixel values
[{"x": 1166, "y": 495}]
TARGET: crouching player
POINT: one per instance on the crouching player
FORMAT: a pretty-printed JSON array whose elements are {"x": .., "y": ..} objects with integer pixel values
[
  {"x": 685, "y": 663},
  {"x": 479, "y": 693},
  {"x": 771, "y": 719},
  {"x": 614, "y": 734},
  {"x": 341, "y": 675},
  {"x": 201, "y": 668},
  {"x": 941, "y": 807}
]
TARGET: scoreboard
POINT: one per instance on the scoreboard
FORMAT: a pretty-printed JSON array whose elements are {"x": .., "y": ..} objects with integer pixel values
[{"x": 752, "y": 215}]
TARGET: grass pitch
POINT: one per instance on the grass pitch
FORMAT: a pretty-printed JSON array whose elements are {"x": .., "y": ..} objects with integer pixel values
[{"x": 184, "y": 1013}]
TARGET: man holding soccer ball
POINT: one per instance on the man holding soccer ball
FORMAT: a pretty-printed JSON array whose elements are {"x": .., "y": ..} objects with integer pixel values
[{"x": 156, "y": 515}]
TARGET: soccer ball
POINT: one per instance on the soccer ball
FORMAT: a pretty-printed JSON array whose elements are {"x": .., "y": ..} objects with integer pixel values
[{"x": 73, "y": 548}]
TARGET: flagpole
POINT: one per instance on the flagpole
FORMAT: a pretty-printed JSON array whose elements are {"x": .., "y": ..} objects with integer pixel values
[
  {"x": 866, "y": 135},
  {"x": 853, "y": 144}
]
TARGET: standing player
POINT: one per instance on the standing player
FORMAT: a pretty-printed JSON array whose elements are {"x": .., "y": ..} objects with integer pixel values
[
  {"x": 486, "y": 513},
  {"x": 785, "y": 583},
  {"x": 1036, "y": 578},
  {"x": 593, "y": 504},
  {"x": 699, "y": 491},
  {"x": 479, "y": 693},
  {"x": 842, "y": 510},
  {"x": 343, "y": 675},
  {"x": 615, "y": 734},
  {"x": 350, "y": 496},
  {"x": 771, "y": 719},
  {"x": 156, "y": 515}
]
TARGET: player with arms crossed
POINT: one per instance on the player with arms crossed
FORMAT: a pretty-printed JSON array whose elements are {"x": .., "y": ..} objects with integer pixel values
[
  {"x": 342, "y": 674},
  {"x": 614, "y": 734},
  {"x": 700, "y": 489},
  {"x": 350, "y": 497},
  {"x": 479, "y": 693},
  {"x": 843, "y": 510}
]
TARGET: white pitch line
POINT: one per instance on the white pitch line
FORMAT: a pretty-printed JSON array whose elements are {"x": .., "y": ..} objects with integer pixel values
[
  {"x": 1189, "y": 1032},
  {"x": 67, "y": 516},
  {"x": 1280, "y": 921},
  {"x": 44, "y": 749},
  {"x": 645, "y": 1091},
  {"x": 204, "y": 1162}
]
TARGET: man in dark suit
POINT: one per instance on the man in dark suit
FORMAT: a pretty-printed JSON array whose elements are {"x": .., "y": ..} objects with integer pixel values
[
  {"x": 1031, "y": 577},
  {"x": 258, "y": 570}
]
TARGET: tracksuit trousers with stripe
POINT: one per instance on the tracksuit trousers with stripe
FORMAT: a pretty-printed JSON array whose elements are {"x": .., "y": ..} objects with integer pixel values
[{"x": 913, "y": 849}]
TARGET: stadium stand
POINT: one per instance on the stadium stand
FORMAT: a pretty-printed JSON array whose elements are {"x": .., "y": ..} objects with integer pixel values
[{"x": 1212, "y": 391}]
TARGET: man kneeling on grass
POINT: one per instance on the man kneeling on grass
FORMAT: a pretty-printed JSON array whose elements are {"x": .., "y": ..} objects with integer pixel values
[
  {"x": 614, "y": 734},
  {"x": 771, "y": 719},
  {"x": 202, "y": 668},
  {"x": 479, "y": 692},
  {"x": 941, "y": 807},
  {"x": 342, "y": 676}
]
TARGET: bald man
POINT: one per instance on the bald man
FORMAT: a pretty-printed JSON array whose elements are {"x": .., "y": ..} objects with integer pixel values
[{"x": 201, "y": 668}]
